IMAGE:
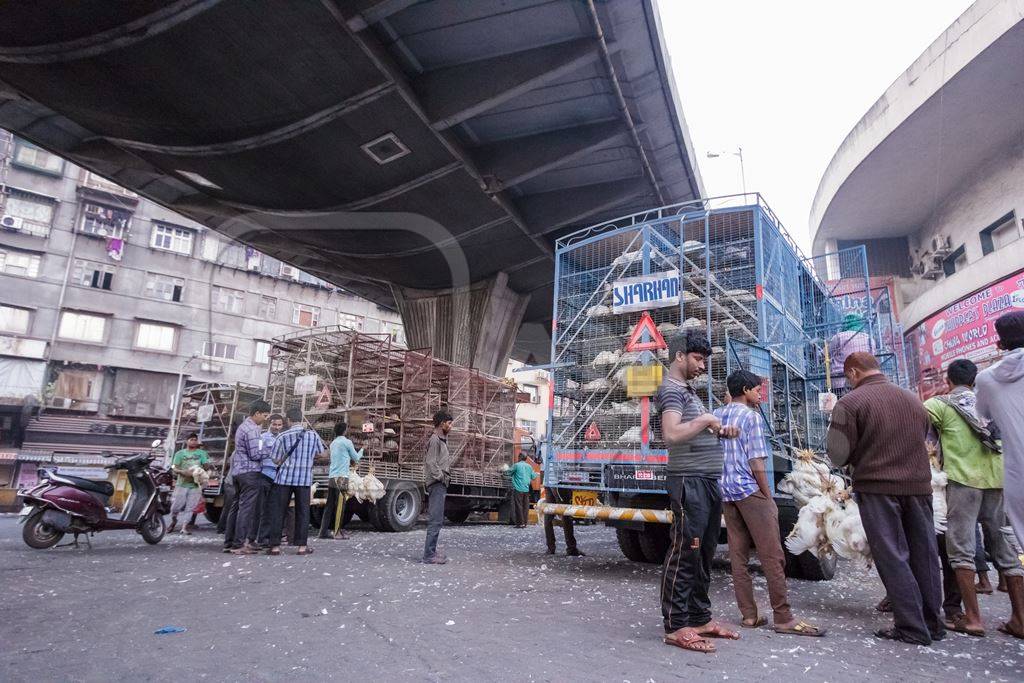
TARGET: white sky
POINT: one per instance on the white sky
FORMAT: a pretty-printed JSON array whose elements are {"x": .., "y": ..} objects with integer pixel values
[{"x": 787, "y": 80}]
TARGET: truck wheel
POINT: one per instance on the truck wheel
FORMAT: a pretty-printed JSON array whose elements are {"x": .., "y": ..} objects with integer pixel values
[
  {"x": 375, "y": 516},
  {"x": 400, "y": 507},
  {"x": 804, "y": 566},
  {"x": 654, "y": 542},
  {"x": 629, "y": 543},
  {"x": 38, "y": 534},
  {"x": 213, "y": 513},
  {"x": 346, "y": 516}
]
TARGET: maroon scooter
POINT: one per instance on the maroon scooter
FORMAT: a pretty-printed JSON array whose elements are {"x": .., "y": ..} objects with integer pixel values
[{"x": 61, "y": 504}]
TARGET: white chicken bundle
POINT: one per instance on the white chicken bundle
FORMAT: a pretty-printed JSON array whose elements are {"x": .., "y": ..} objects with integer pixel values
[
  {"x": 372, "y": 488},
  {"x": 808, "y": 534},
  {"x": 200, "y": 476},
  {"x": 605, "y": 358},
  {"x": 809, "y": 478},
  {"x": 939, "y": 481},
  {"x": 845, "y": 531},
  {"x": 598, "y": 311}
]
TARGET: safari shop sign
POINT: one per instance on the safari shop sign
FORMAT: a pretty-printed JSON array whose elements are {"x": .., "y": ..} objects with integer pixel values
[{"x": 644, "y": 292}]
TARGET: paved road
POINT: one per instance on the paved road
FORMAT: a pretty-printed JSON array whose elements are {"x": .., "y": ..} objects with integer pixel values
[{"x": 364, "y": 609}]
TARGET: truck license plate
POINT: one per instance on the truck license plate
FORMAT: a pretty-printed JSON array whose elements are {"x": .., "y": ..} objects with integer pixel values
[
  {"x": 645, "y": 475},
  {"x": 584, "y": 498}
]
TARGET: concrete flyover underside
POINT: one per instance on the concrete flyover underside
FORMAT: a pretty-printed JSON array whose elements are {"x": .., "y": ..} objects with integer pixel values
[{"x": 406, "y": 151}]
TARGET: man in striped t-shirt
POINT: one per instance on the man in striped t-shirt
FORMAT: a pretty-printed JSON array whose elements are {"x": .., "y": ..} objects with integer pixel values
[{"x": 751, "y": 517}]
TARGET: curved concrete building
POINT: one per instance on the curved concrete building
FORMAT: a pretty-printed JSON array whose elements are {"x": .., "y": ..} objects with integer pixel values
[{"x": 931, "y": 181}]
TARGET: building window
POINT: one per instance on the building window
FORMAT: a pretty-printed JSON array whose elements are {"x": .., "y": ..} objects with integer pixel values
[
  {"x": 104, "y": 221},
  {"x": 82, "y": 326},
  {"x": 306, "y": 316},
  {"x": 533, "y": 391},
  {"x": 164, "y": 287},
  {"x": 955, "y": 261},
  {"x": 228, "y": 300},
  {"x": 289, "y": 272},
  {"x": 529, "y": 426},
  {"x": 155, "y": 337},
  {"x": 89, "y": 274},
  {"x": 19, "y": 263},
  {"x": 354, "y": 322},
  {"x": 222, "y": 251},
  {"x": 29, "y": 156},
  {"x": 999, "y": 234},
  {"x": 262, "y": 354},
  {"x": 14, "y": 319},
  {"x": 171, "y": 238},
  {"x": 28, "y": 213},
  {"x": 219, "y": 350},
  {"x": 267, "y": 308}
]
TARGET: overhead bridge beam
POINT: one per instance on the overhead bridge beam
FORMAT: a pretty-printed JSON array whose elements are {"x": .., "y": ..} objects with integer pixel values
[
  {"x": 516, "y": 160},
  {"x": 549, "y": 211},
  {"x": 453, "y": 94}
]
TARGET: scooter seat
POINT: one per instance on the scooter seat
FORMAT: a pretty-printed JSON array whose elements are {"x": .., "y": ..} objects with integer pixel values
[{"x": 104, "y": 488}]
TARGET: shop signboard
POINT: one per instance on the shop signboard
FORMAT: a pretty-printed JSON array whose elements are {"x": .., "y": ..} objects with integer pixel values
[
  {"x": 645, "y": 292},
  {"x": 964, "y": 329}
]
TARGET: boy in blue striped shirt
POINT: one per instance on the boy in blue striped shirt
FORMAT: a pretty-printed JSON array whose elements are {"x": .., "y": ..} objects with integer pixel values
[{"x": 751, "y": 517}]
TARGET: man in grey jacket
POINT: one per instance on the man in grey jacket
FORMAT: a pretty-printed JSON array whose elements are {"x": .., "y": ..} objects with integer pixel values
[
  {"x": 437, "y": 467},
  {"x": 1000, "y": 392}
]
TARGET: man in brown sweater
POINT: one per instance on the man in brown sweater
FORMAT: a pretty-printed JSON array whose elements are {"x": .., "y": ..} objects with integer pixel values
[{"x": 879, "y": 429}]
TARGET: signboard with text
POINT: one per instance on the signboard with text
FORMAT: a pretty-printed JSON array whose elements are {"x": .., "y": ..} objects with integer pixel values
[
  {"x": 645, "y": 292},
  {"x": 965, "y": 329}
]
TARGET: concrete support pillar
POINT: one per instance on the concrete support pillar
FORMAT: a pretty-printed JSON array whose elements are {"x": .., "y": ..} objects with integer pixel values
[{"x": 473, "y": 326}]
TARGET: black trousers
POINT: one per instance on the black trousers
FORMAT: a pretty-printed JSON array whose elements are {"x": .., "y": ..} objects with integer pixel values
[
  {"x": 951, "y": 598},
  {"x": 261, "y": 528},
  {"x": 333, "y": 510},
  {"x": 686, "y": 576},
  {"x": 901, "y": 535},
  {"x": 568, "y": 527},
  {"x": 280, "y": 496},
  {"x": 436, "y": 493},
  {"x": 520, "y": 507}
]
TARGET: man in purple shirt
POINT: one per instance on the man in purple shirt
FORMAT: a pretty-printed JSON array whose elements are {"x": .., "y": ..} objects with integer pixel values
[
  {"x": 751, "y": 517},
  {"x": 246, "y": 463}
]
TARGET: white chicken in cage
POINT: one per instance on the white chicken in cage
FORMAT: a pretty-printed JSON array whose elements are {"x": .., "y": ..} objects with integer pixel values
[
  {"x": 690, "y": 246},
  {"x": 605, "y": 358},
  {"x": 625, "y": 408},
  {"x": 599, "y": 311},
  {"x": 599, "y": 384},
  {"x": 667, "y": 328},
  {"x": 570, "y": 385},
  {"x": 692, "y": 324},
  {"x": 740, "y": 294},
  {"x": 631, "y": 257},
  {"x": 631, "y": 435}
]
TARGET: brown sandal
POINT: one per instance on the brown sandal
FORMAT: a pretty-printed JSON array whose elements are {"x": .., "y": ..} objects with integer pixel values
[
  {"x": 758, "y": 622},
  {"x": 307, "y": 551},
  {"x": 957, "y": 624},
  {"x": 802, "y": 629},
  {"x": 273, "y": 551},
  {"x": 688, "y": 639},
  {"x": 1005, "y": 628}
]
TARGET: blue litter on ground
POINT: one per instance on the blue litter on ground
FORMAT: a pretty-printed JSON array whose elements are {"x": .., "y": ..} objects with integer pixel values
[{"x": 169, "y": 629}]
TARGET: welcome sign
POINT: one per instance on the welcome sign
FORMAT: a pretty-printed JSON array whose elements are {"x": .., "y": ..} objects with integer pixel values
[{"x": 644, "y": 292}]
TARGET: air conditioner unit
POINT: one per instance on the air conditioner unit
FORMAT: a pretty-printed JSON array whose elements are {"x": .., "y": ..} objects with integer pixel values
[
  {"x": 11, "y": 222},
  {"x": 60, "y": 402},
  {"x": 933, "y": 268},
  {"x": 941, "y": 245},
  {"x": 207, "y": 366},
  {"x": 535, "y": 399},
  {"x": 917, "y": 268}
]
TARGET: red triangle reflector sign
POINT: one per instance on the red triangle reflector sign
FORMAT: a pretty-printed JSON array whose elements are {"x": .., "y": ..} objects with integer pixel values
[
  {"x": 655, "y": 342},
  {"x": 592, "y": 433}
]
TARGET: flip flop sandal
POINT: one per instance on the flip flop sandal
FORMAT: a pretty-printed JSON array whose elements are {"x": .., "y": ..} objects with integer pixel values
[
  {"x": 307, "y": 551},
  {"x": 1005, "y": 628},
  {"x": 273, "y": 551},
  {"x": 690, "y": 641},
  {"x": 958, "y": 626},
  {"x": 979, "y": 591},
  {"x": 757, "y": 623},
  {"x": 716, "y": 630},
  {"x": 803, "y": 629}
]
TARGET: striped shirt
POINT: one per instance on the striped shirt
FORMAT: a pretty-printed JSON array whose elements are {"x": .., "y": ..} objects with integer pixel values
[
  {"x": 702, "y": 455},
  {"x": 246, "y": 456},
  {"x": 297, "y": 470},
  {"x": 737, "y": 480}
]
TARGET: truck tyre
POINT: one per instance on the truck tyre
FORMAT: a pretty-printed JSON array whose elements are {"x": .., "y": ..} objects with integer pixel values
[
  {"x": 804, "y": 566},
  {"x": 654, "y": 542},
  {"x": 629, "y": 543},
  {"x": 346, "y": 516},
  {"x": 213, "y": 513},
  {"x": 458, "y": 516},
  {"x": 400, "y": 507}
]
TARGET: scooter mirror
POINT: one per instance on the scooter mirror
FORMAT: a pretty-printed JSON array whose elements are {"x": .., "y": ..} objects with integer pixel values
[{"x": 156, "y": 444}]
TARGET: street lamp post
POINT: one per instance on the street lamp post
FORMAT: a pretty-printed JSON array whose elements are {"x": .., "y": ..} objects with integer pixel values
[{"x": 737, "y": 153}]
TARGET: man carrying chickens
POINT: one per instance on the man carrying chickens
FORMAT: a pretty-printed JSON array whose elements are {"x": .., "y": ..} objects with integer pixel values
[
  {"x": 695, "y": 457},
  {"x": 879, "y": 430},
  {"x": 751, "y": 517},
  {"x": 973, "y": 462},
  {"x": 186, "y": 490}
]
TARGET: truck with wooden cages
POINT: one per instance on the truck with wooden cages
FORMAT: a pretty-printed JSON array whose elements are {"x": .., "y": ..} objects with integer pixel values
[
  {"x": 387, "y": 395},
  {"x": 723, "y": 266}
]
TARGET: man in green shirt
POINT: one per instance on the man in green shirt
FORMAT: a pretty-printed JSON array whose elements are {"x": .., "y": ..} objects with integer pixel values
[
  {"x": 522, "y": 474},
  {"x": 186, "y": 491},
  {"x": 974, "y": 466}
]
